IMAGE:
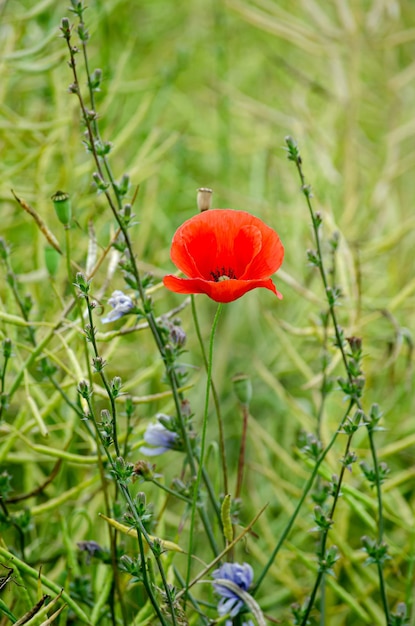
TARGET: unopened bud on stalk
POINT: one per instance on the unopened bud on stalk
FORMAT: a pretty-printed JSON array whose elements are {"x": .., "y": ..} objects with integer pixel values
[
  {"x": 204, "y": 199},
  {"x": 52, "y": 258},
  {"x": 243, "y": 388},
  {"x": 62, "y": 205}
]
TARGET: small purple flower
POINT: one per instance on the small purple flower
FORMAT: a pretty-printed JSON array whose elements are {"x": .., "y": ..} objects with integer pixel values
[
  {"x": 160, "y": 436},
  {"x": 121, "y": 304},
  {"x": 240, "y": 575}
]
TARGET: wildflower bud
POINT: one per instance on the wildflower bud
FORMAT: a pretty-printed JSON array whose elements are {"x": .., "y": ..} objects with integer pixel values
[
  {"x": 204, "y": 199},
  {"x": 322, "y": 519},
  {"x": 116, "y": 385},
  {"x": 400, "y": 615},
  {"x": 127, "y": 211},
  {"x": 83, "y": 33},
  {"x": 99, "y": 363},
  {"x": 92, "y": 548},
  {"x": 374, "y": 417},
  {"x": 52, "y": 258},
  {"x": 243, "y": 388},
  {"x": 4, "y": 249},
  {"x": 84, "y": 389},
  {"x": 124, "y": 185},
  {"x": 185, "y": 409},
  {"x": 65, "y": 27},
  {"x": 62, "y": 205},
  {"x": 177, "y": 334},
  {"x": 5, "y": 484},
  {"x": 355, "y": 344},
  {"x": 91, "y": 115},
  {"x": 96, "y": 79},
  {"x": 103, "y": 147},
  {"x": 317, "y": 217},
  {"x": 293, "y": 151},
  {"x": 105, "y": 416},
  {"x": 7, "y": 348},
  {"x": 334, "y": 241},
  {"x": 144, "y": 470},
  {"x": 27, "y": 303},
  {"x": 100, "y": 183},
  {"x": 82, "y": 283},
  {"x": 377, "y": 552},
  {"x": 313, "y": 258}
]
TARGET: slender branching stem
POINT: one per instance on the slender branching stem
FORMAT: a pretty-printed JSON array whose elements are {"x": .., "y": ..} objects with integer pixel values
[
  {"x": 294, "y": 156},
  {"x": 203, "y": 438},
  {"x": 304, "y": 494}
]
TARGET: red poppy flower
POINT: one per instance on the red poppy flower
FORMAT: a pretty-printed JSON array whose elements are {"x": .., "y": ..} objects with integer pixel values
[{"x": 224, "y": 253}]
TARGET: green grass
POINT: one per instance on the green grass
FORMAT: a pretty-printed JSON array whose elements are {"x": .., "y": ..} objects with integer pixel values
[{"x": 203, "y": 94}]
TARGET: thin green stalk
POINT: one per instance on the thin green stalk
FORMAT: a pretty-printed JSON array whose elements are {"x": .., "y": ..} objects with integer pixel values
[
  {"x": 140, "y": 533},
  {"x": 382, "y": 587},
  {"x": 294, "y": 156},
  {"x": 241, "y": 460},
  {"x": 304, "y": 494},
  {"x": 91, "y": 336},
  {"x": 324, "y": 537},
  {"x": 203, "y": 440},
  {"x": 215, "y": 398},
  {"x": 171, "y": 492}
]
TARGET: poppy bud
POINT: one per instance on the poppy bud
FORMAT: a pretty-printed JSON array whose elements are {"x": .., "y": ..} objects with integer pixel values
[
  {"x": 52, "y": 257},
  {"x": 204, "y": 199},
  {"x": 243, "y": 388},
  {"x": 62, "y": 205}
]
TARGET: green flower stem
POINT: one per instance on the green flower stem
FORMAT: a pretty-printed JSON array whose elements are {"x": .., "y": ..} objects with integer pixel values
[
  {"x": 148, "y": 312},
  {"x": 304, "y": 494},
  {"x": 382, "y": 587},
  {"x": 215, "y": 398},
  {"x": 295, "y": 157},
  {"x": 141, "y": 532},
  {"x": 324, "y": 537},
  {"x": 171, "y": 492},
  {"x": 6, "y": 360},
  {"x": 104, "y": 379},
  {"x": 241, "y": 460},
  {"x": 203, "y": 440}
]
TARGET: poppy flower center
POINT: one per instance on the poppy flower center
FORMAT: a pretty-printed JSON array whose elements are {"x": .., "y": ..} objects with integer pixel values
[{"x": 221, "y": 274}]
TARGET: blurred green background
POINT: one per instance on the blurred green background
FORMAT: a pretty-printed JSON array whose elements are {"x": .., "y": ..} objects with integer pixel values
[{"x": 202, "y": 93}]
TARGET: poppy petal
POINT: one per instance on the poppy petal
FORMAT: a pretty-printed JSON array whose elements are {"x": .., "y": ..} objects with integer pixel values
[
  {"x": 268, "y": 259},
  {"x": 222, "y": 291}
]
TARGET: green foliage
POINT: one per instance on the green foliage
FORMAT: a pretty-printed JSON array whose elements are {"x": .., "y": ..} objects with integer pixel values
[{"x": 180, "y": 96}]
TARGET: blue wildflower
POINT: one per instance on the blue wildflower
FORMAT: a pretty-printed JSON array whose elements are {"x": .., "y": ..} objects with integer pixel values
[
  {"x": 240, "y": 575},
  {"x": 158, "y": 435},
  {"x": 121, "y": 304}
]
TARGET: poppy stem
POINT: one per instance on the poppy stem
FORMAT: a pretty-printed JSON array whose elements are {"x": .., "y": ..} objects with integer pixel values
[
  {"x": 202, "y": 442},
  {"x": 241, "y": 460},
  {"x": 215, "y": 399}
]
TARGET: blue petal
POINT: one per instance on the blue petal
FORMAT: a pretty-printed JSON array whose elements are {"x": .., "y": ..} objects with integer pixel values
[{"x": 153, "y": 451}]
